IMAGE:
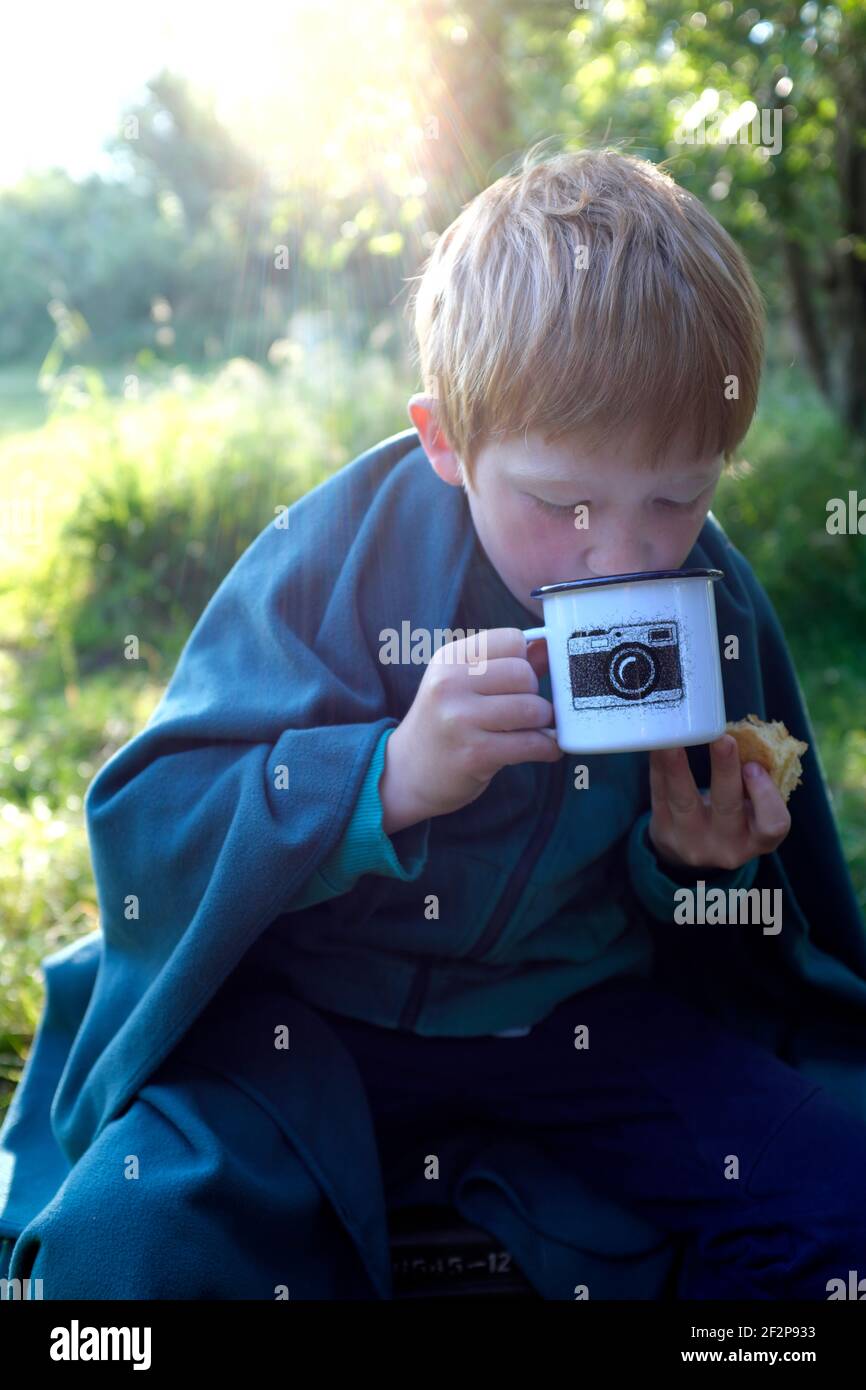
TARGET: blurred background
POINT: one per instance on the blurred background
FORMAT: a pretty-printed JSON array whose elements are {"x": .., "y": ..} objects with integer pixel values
[{"x": 209, "y": 225}]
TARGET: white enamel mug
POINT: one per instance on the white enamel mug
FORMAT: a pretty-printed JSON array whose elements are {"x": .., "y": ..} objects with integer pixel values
[{"x": 634, "y": 660}]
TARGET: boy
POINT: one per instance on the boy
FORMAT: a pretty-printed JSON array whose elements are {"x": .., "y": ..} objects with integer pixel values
[{"x": 357, "y": 918}]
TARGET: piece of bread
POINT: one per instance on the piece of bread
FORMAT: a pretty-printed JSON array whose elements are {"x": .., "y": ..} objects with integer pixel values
[{"x": 772, "y": 746}]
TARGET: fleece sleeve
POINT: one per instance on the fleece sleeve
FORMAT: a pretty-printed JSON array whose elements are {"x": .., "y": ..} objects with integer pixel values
[
  {"x": 656, "y": 886},
  {"x": 364, "y": 847}
]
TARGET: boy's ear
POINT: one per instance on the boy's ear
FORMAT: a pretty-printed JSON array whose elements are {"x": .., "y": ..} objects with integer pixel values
[{"x": 423, "y": 414}]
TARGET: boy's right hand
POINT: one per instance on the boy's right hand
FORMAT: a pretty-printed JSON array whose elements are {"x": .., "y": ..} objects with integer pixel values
[{"x": 465, "y": 723}]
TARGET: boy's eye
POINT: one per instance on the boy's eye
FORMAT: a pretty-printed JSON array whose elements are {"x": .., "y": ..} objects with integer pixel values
[
  {"x": 560, "y": 509},
  {"x": 677, "y": 506},
  {"x": 555, "y": 508}
]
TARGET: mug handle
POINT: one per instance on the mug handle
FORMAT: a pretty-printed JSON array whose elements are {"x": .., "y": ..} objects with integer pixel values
[{"x": 530, "y": 633}]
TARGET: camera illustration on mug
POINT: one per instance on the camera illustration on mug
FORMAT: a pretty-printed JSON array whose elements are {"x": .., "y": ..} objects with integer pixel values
[{"x": 636, "y": 662}]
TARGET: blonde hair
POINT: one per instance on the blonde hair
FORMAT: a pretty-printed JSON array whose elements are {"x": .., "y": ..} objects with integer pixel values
[{"x": 514, "y": 333}]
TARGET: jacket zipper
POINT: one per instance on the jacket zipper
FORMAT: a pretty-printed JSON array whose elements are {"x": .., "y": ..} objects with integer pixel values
[
  {"x": 520, "y": 876},
  {"x": 508, "y": 898}
]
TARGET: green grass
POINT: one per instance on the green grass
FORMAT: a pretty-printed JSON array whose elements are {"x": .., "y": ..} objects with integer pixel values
[{"x": 144, "y": 504}]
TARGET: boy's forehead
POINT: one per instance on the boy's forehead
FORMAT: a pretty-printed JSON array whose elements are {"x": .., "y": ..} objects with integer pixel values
[{"x": 530, "y": 457}]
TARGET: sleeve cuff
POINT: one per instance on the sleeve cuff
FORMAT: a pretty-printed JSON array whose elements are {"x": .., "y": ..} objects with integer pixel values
[
  {"x": 365, "y": 848},
  {"x": 656, "y": 886}
]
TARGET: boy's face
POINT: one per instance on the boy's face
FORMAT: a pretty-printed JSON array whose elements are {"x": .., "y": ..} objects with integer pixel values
[{"x": 525, "y": 493}]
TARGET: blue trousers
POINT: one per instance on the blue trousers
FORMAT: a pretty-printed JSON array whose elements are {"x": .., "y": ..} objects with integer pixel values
[
  {"x": 702, "y": 1132},
  {"x": 658, "y": 1112}
]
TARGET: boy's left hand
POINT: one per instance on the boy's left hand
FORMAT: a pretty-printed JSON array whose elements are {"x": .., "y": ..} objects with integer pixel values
[{"x": 721, "y": 828}]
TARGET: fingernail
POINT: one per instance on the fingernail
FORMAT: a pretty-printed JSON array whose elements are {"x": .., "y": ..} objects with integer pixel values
[{"x": 754, "y": 771}]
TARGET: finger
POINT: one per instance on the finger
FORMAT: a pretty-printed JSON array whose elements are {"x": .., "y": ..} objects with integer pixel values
[
  {"x": 726, "y": 787},
  {"x": 772, "y": 819},
  {"x": 504, "y": 675},
  {"x": 658, "y": 778},
  {"x": 659, "y": 790},
  {"x": 497, "y": 713},
  {"x": 479, "y": 648},
  {"x": 682, "y": 793},
  {"x": 523, "y": 746}
]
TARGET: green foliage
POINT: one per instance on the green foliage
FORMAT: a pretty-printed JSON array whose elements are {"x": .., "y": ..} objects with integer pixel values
[
  {"x": 177, "y": 482},
  {"x": 774, "y": 507},
  {"x": 178, "y": 255}
]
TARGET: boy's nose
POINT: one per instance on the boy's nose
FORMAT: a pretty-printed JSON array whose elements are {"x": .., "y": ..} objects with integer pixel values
[
  {"x": 617, "y": 560},
  {"x": 617, "y": 545}
]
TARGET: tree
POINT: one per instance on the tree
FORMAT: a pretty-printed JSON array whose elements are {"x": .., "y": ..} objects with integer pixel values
[{"x": 638, "y": 68}]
